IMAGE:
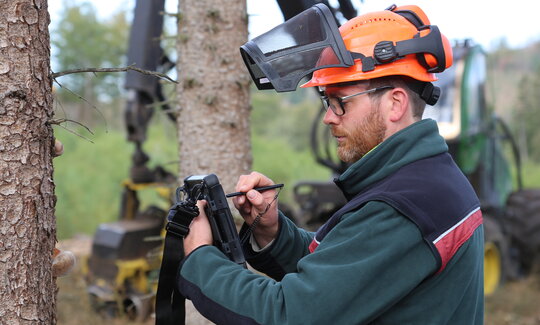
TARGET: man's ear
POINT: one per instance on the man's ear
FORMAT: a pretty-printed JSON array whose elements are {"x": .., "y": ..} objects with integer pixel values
[{"x": 399, "y": 104}]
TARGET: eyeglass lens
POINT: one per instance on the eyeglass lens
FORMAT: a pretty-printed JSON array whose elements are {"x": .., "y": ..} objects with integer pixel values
[{"x": 334, "y": 104}]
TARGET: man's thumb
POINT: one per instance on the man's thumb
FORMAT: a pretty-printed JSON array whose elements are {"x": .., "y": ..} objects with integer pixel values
[{"x": 256, "y": 199}]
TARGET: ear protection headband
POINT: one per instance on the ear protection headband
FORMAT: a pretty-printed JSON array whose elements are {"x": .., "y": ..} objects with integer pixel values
[{"x": 428, "y": 45}]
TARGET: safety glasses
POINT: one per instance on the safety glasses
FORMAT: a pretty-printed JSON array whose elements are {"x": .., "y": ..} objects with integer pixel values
[{"x": 336, "y": 104}]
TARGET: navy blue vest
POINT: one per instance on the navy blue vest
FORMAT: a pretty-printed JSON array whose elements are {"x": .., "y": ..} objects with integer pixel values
[{"x": 434, "y": 194}]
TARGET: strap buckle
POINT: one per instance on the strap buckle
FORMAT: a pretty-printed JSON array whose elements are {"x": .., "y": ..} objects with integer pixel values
[{"x": 177, "y": 229}]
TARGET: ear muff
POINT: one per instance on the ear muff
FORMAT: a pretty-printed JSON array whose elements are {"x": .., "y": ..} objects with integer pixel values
[
  {"x": 439, "y": 57},
  {"x": 429, "y": 48},
  {"x": 432, "y": 61},
  {"x": 429, "y": 93}
]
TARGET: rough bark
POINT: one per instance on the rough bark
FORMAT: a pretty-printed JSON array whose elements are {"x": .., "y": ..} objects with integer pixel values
[
  {"x": 213, "y": 90},
  {"x": 27, "y": 224}
]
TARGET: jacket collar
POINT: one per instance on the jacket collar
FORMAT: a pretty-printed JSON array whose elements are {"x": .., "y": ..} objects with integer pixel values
[{"x": 417, "y": 141}]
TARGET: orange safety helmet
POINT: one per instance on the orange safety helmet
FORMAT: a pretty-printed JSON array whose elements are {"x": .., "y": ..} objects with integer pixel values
[{"x": 396, "y": 41}]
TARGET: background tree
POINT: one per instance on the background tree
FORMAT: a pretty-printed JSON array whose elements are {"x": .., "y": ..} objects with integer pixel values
[
  {"x": 527, "y": 116},
  {"x": 83, "y": 40},
  {"x": 27, "y": 201},
  {"x": 213, "y": 90},
  {"x": 513, "y": 81}
]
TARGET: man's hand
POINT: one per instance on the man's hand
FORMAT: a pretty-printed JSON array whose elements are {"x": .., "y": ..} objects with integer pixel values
[
  {"x": 200, "y": 232},
  {"x": 255, "y": 203}
]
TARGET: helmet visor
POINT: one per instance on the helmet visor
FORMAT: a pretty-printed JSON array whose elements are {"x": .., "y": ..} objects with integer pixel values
[{"x": 281, "y": 57}]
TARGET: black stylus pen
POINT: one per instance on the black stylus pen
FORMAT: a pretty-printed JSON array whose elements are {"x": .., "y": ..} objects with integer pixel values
[{"x": 259, "y": 189}]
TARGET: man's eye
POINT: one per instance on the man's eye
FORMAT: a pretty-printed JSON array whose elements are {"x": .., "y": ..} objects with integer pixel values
[{"x": 345, "y": 102}]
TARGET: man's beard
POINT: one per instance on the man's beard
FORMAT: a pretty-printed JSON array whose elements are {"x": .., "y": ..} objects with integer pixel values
[{"x": 368, "y": 134}]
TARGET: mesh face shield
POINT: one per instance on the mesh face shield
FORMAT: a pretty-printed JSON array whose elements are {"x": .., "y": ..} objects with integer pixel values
[{"x": 281, "y": 57}]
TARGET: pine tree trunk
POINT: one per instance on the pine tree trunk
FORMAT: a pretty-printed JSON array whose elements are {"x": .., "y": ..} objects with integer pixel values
[
  {"x": 213, "y": 90},
  {"x": 27, "y": 224}
]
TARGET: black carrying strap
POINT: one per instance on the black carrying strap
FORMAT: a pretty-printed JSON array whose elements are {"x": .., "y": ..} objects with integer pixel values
[
  {"x": 170, "y": 307},
  {"x": 170, "y": 304}
]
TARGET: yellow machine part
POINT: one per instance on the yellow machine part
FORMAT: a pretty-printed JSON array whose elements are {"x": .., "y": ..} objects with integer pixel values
[
  {"x": 492, "y": 268},
  {"x": 163, "y": 190},
  {"x": 134, "y": 271}
]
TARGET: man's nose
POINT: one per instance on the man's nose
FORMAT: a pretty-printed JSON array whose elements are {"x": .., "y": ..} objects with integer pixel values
[{"x": 330, "y": 117}]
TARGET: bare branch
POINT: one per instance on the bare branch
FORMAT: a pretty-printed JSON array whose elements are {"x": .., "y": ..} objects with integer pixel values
[
  {"x": 124, "y": 69},
  {"x": 85, "y": 100},
  {"x": 58, "y": 103},
  {"x": 71, "y": 131},
  {"x": 64, "y": 120}
]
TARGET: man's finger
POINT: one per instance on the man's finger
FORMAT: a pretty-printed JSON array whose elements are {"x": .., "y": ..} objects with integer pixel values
[
  {"x": 201, "y": 204},
  {"x": 255, "y": 179},
  {"x": 58, "y": 148}
]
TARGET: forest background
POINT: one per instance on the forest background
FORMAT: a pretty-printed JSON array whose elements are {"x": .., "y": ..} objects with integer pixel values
[{"x": 97, "y": 156}]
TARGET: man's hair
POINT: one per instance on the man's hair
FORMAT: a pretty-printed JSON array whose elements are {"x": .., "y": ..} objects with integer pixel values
[{"x": 417, "y": 104}]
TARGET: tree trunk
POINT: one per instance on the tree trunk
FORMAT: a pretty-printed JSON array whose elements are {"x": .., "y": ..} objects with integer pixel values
[
  {"x": 213, "y": 90},
  {"x": 27, "y": 224}
]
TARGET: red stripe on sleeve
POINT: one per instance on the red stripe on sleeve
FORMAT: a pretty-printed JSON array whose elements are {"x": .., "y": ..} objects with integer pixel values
[
  {"x": 448, "y": 243},
  {"x": 314, "y": 244}
]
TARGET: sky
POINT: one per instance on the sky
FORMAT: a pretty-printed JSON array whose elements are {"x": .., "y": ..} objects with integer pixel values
[{"x": 485, "y": 22}]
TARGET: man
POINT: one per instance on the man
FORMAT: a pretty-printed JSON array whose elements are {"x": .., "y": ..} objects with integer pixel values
[{"x": 408, "y": 246}]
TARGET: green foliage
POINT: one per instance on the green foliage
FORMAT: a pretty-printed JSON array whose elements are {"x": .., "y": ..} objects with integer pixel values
[
  {"x": 513, "y": 83},
  {"x": 82, "y": 40},
  {"x": 506, "y": 68}
]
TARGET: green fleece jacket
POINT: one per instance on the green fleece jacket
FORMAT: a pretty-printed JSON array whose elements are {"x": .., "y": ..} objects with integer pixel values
[{"x": 373, "y": 267}]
